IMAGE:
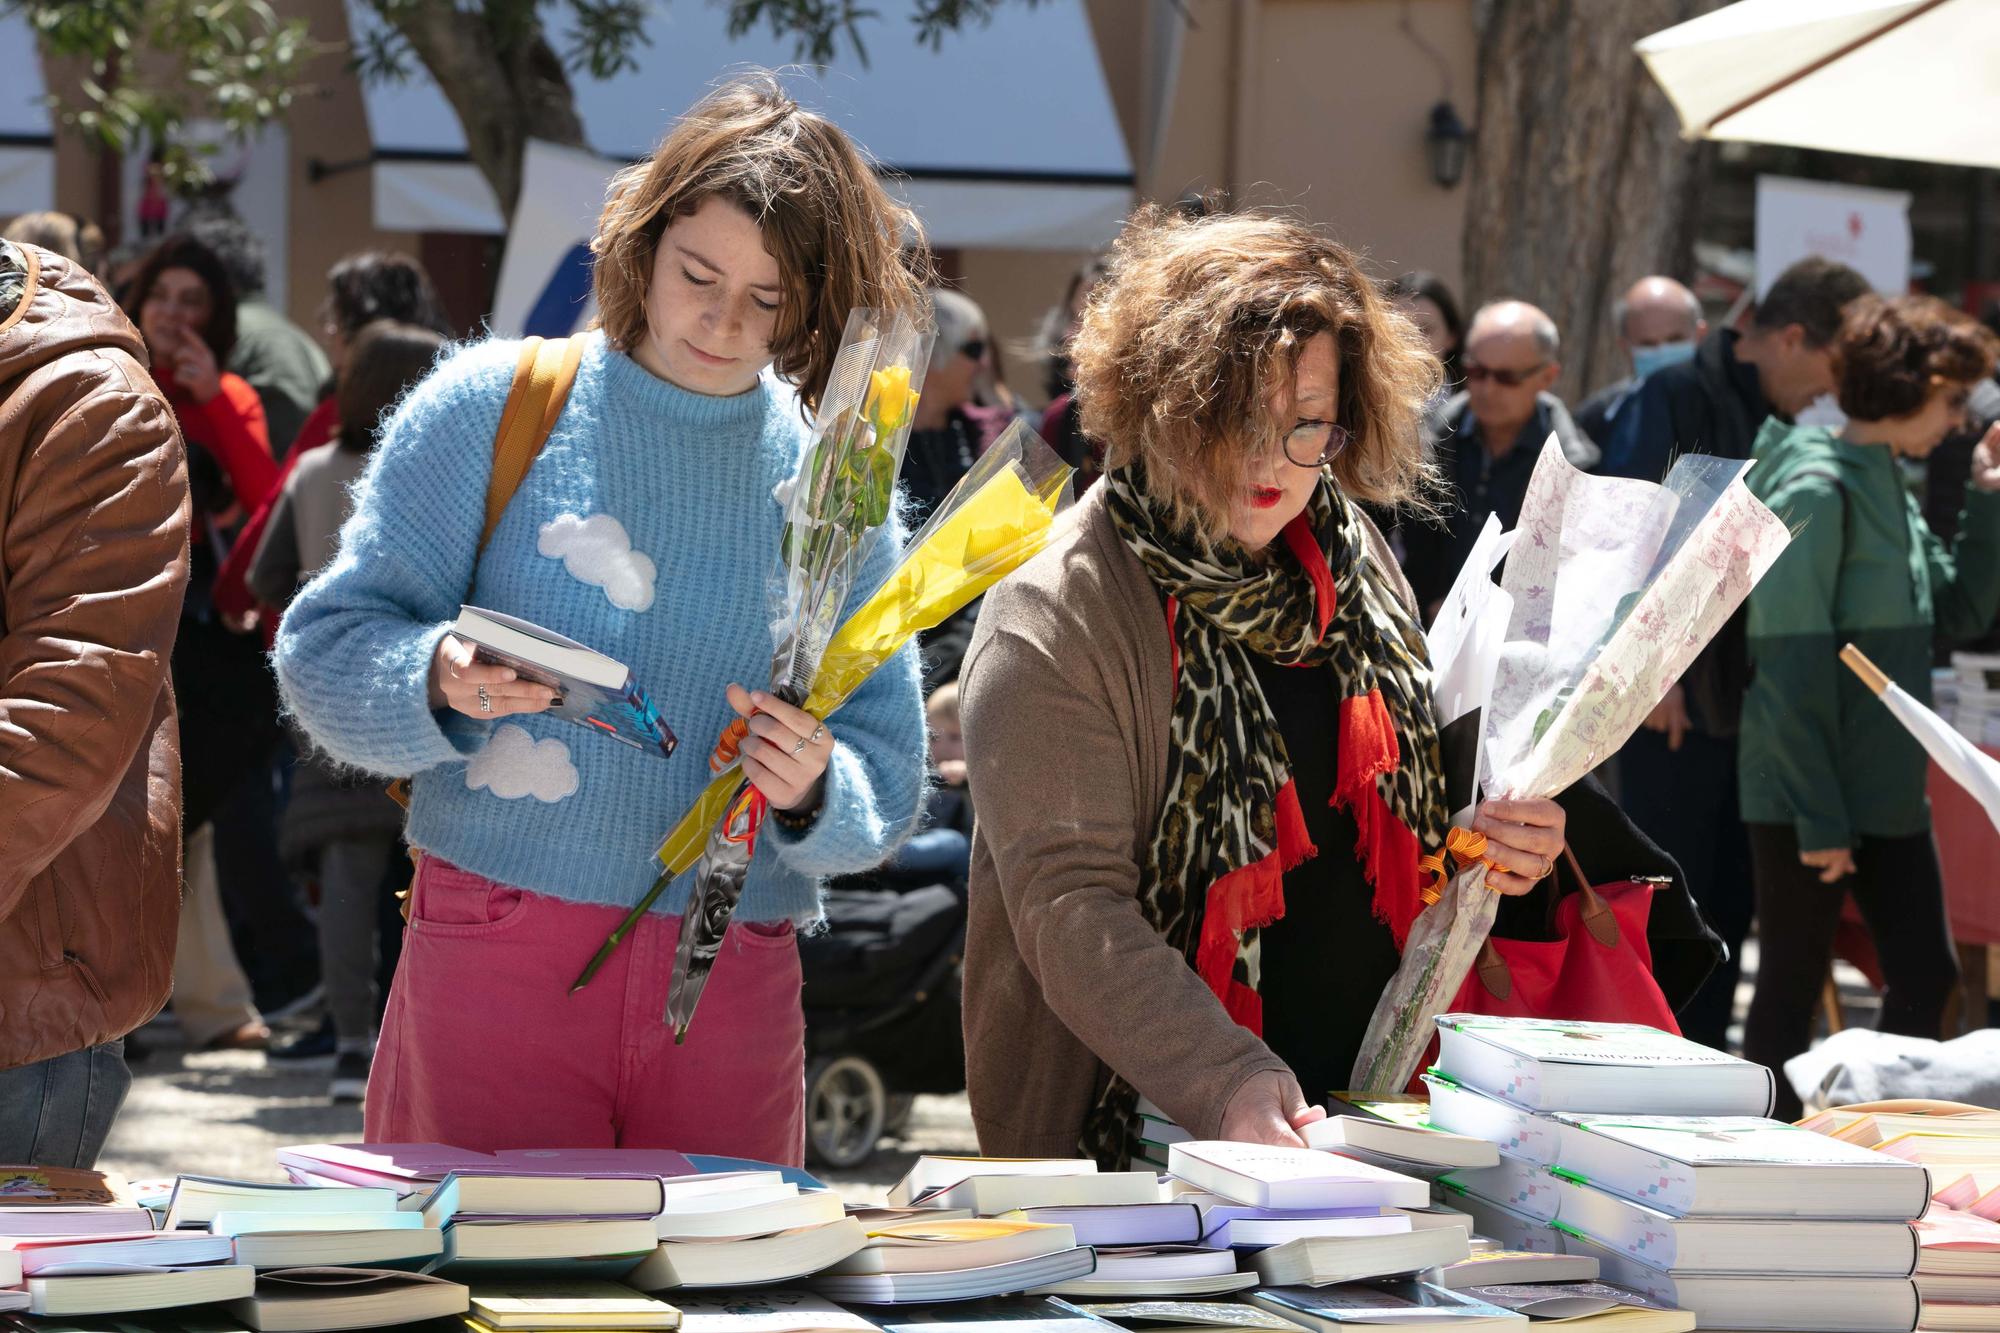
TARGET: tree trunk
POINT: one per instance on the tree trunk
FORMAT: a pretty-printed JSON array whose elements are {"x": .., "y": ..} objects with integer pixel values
[
  {"x": 505, "y": 88},
  {"x": 1580, "y": 183}
]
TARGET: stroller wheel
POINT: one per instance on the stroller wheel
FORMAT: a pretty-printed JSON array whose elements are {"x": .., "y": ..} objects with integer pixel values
[{"x": 846, "y": 1106}]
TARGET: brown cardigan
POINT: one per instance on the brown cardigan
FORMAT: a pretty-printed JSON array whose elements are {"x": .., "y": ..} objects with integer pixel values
[{"x": 1067, "y": 693}]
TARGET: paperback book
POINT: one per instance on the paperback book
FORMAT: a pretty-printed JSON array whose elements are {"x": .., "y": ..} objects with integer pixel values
[
  {"x": 1267, "y": 1177},
  {"x": 592, "y": 690},
  {"x": 309, "y": 1300},
  {"x": 1602, "y": 1068},
  {"x": 1743, "y": 1166}
]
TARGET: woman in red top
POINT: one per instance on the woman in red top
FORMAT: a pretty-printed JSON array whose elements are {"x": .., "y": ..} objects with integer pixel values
[{"x": 185, "y": 307}]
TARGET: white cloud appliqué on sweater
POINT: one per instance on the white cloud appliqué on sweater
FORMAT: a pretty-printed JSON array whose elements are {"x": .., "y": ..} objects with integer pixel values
[
  {"x": 598, "y": 551},
  {"x": 514, "y": 764}
]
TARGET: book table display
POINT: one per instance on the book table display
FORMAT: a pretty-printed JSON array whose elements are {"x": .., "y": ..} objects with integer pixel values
[{"x": 1591, "y": 1176}]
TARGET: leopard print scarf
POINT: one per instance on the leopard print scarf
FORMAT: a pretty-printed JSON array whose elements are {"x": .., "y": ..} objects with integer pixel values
[{"x": 1231, "y": 825}]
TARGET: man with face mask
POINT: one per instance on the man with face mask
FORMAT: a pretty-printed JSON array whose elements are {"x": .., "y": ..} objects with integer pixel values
[
  {"x": 1678, "y": 773},
  {"x": 1659, "y": 323}
]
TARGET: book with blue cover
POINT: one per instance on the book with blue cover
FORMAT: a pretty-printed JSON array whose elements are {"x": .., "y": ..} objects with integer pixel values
[{"x": 592, "y": 689}]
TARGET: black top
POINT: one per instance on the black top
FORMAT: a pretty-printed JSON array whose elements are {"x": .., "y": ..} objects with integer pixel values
[
  {"x": 1327, "y": 960},
  {"x": 1325, "y": 963}
]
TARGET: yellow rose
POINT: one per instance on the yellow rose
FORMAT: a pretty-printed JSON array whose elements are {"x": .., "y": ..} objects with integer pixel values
[{"x": 891, "y": 402}]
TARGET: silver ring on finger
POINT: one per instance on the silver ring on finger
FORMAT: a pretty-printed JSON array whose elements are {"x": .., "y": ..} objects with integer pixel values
[
  {"x": 818, "y": 732},
  {"x": 485, "y": 700},
  {"x": 800, "y": 748}
]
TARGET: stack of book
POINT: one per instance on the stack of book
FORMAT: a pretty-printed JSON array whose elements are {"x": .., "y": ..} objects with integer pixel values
[
  {"x": 1961, "y": 1151},
  {"x": 313, "y": 1226},
  {"x": 1974, "y": 703},
  {"x": 1144, "y": 1245},
  {"x": 578, "y": 1226},
  {"x": 1748, "y": 1222},
  {"x": 1958, "y": 1273},
  {"x": 743, "y": 1228},
  {"x": 956, "y": 1259},
  {"x": 1351, "y": 1239},
  {"x": 78, "y": 1243}
]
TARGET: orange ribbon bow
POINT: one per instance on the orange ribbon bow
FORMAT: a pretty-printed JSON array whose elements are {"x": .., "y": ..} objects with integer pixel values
[{"x": 1462, "y": 846}]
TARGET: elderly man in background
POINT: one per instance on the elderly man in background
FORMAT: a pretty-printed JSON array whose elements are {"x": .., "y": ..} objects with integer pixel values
[
  {"x": 94, "y": 542},
  {"x": 1659, "y": 325},
  {"x": 1486, "y": 438}
]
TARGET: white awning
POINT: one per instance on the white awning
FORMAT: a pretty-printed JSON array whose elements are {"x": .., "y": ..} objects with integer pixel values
[
  {"x": 27, "y": 146},
  {"x": 1007, "y": 136},
  {"x": 1915, "y": 79}
]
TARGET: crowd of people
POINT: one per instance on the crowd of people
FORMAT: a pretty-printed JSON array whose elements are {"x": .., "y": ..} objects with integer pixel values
[{"x": 1172, "y": 725}]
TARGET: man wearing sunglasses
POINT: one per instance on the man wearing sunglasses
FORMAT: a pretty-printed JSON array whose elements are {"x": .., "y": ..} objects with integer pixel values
[{"x": 1487, "y": 437}]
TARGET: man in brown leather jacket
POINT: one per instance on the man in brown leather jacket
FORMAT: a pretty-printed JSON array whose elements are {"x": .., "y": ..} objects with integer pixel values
[{"x": 93, "y": 562}]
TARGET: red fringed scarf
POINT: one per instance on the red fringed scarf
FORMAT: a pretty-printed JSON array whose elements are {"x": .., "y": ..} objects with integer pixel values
[{"x": 1231, "y": 821}]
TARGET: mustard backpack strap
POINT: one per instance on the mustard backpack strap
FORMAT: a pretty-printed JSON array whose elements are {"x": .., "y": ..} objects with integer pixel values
[{"x": 542, "y": 380}]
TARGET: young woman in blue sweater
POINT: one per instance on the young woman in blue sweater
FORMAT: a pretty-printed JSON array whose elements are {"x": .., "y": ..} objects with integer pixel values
[{"x": 646, "y": 529}]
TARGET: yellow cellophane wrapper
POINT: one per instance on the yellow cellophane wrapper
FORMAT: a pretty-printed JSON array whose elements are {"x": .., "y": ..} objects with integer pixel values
[
  {"x": 988, "y": 537},
  {"x": 994, "y": 532}
]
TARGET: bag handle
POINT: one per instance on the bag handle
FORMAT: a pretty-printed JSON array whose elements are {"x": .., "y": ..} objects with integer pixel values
[
  {"x": 1597, "y": 917},
  {"x": 544, "y": 373}
]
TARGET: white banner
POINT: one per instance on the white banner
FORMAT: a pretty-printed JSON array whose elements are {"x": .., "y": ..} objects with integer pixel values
[
  {"x": 545, "y": 275},
  {"x": 1868, "y": 230}
]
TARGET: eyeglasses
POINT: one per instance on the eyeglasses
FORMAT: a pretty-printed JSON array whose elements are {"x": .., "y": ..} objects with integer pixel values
[
  {"x": 1512, "y": 379},
  {"x": 974, "y": 350},
  {"x": 1315, "y": 443}
]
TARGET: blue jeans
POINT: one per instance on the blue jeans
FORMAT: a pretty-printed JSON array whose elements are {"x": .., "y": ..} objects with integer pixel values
[{"x": 58, "y": 1112}]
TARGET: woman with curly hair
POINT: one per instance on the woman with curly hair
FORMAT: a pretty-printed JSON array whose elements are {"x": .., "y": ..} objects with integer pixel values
[
  {"x": 1833, "y": 787},
  {"x": 727, "y": 262},
  {"x": 1201, "y": 897}
]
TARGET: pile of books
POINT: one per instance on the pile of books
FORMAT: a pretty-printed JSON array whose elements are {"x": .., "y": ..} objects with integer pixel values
[
  {"x": 76, "y": 1243},
  {"x": 1601, "y": 1176},
  {"x": 1958, "y": 1271},
  {"x": 1961, "y": 1150},
  {"x": 1654, "y": 1156},
  {"x": 1970, "y": 696}
]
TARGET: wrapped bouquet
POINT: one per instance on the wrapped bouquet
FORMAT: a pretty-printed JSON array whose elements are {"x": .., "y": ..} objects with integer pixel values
[
  {"x": 998, "y": 516},
  {"x": 1611, "y": 589}
]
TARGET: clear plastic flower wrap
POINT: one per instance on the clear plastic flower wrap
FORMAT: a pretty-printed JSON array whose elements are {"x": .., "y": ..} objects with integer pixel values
[
  {"x": 1613, "y": 588},
  {"x": 996, "y": 518}
]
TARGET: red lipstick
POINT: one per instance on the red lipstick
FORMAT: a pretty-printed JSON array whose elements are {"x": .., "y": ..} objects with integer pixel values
[{"x": 1265, "y": 497}]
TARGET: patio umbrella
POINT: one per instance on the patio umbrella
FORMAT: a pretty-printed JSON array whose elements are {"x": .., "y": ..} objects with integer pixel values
[
  {"x": 1916, "y": 79},
  {"x": 1963, "y": 762}
]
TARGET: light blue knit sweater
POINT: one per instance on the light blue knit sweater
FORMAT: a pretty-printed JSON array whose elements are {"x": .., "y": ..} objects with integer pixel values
[{"x": 542, "y": 804}]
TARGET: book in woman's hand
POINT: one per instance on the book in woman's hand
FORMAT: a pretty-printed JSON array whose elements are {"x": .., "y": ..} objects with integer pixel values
[{"x": 592, "y": 690}]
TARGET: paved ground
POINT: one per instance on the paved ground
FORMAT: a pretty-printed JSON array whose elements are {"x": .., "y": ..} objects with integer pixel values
[{"x": 227, "y": 1113}]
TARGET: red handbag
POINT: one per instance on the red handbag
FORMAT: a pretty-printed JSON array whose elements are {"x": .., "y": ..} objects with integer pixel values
[{"x": 1598, "y": 967}]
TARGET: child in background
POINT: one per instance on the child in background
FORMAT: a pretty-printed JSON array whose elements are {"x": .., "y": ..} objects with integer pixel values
[{"x": 942, "y": 852}]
